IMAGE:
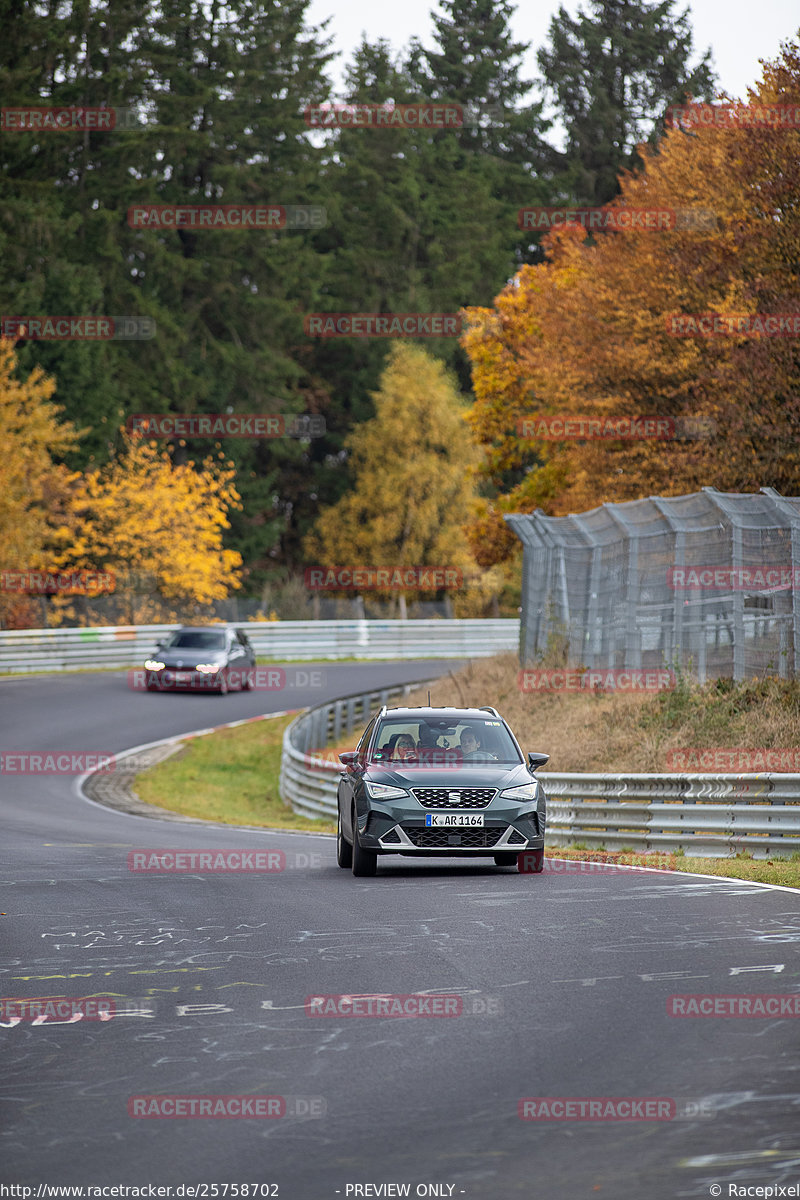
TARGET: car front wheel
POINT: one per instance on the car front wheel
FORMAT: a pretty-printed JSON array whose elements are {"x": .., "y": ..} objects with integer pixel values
[
  {"x": 223, "y": 684},
  {"x": 365, "y": 862},
  {"x": 344, "y": 851}
]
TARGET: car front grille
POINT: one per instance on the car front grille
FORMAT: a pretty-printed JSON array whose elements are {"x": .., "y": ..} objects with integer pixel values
[
  {"x": 468, "y": 797},
  {"x": 468, "y": 839}
]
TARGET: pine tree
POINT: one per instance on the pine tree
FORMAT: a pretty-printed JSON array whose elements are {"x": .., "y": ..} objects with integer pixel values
[
  {"x": 477, "y": 65},
  {"x": 416, "y": 227},
  {"x": 613, "y": 72},
  {"x": 57, "y": 234},
  {"x": 230, "y": 129},
  {"x": 222, "y": 92}
]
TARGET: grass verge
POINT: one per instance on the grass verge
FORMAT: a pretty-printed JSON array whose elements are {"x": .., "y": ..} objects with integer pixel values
[
  {"x": 230, "y": 776},
  {"x": 783, "y": 871},
  {"x": 601, "y": 731}
]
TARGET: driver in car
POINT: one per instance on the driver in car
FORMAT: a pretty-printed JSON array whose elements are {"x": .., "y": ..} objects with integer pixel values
[{"x": 404, "y": 747}]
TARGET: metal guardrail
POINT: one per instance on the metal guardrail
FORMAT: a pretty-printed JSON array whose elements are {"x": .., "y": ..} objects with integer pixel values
[
  {"x": 307, "y": 781},
  {"x": 25, "y": 650},
  {"x": 704, "y": 815}
]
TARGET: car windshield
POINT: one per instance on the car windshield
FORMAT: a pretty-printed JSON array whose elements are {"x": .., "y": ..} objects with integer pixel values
[
  {"x": 457, "y": 741},
  {"x": 196, "y": 639}
]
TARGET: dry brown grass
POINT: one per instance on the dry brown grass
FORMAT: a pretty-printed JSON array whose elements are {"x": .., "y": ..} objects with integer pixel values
[
  {"x": 580, "y": 733},
  {"x": 590, "y": 732}
]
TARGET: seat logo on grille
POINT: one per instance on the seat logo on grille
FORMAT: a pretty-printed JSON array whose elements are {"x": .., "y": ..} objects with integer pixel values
[{"x": 454, "y": 797}]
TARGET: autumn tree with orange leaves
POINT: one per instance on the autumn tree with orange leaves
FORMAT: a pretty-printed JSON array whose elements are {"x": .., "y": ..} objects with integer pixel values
[{"x": 589, "y": 332}]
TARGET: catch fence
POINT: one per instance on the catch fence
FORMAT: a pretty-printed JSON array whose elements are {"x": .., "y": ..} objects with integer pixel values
[{"x": 709, "y": 582}]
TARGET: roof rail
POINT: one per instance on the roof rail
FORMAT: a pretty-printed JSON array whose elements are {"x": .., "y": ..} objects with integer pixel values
[
  {"x": 488, "y": 708},
  {"x": 383, "y": 711}
]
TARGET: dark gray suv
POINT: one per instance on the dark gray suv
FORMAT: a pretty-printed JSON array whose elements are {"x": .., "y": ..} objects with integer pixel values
[{"x": 448, "y": 782}]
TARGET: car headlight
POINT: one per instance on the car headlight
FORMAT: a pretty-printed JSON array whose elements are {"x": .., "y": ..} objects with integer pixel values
[
  {"x": 384, "y": 791},
  {"x": 208, "y": 668},
  {"x": 152, "y": 665},
  {"x": 525, "y": 791}
]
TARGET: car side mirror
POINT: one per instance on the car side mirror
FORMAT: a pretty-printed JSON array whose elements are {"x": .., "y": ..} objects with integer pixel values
[
  {"x": 536, "y": 759},
  {"x": 348, "y": 757}
]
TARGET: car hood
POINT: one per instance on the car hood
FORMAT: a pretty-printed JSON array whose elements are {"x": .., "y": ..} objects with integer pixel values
[{"x": 494, "y": 775}]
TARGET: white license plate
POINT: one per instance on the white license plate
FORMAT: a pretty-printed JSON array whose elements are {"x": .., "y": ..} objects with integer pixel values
[
  {"x": 454, "y": 820},
  {"x": 183, "y": 676}
]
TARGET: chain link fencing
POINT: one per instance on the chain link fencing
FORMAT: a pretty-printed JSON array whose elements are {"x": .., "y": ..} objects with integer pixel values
[{"x": 708, "y": 583}]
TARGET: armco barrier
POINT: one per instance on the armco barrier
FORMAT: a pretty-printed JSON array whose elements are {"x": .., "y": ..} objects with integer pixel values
[
  {"x": 24, "y": 650},
  {"x": 307, "y": 782},
  {"x": 704, "y": 815}
]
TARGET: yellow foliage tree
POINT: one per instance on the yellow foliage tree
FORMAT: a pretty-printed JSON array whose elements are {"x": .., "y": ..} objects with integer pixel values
[
  {"x": 156, "y": 526},
  {"x": 31, "y": 432},
  {"x": 414, "y": 483}
]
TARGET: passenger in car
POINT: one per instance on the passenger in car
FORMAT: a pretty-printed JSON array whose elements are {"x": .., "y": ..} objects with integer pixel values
[{"x": 469, "y": 745}]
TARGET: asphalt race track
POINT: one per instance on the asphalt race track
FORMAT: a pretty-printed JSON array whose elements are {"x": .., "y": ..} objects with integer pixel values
[{"x": 560, "y": 981}]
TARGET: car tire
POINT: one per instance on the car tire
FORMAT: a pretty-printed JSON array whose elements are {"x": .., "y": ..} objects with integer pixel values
[
  {"x": 344, "y": 851},
  {"x": 249, "y": 682},
  {"x": 508, "y": 859},
  {"x": 223, "y": 684},
  {"x": 533, "y": 861},
  {"x": 365, "y": 862}
]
